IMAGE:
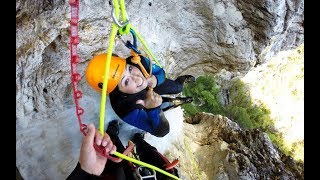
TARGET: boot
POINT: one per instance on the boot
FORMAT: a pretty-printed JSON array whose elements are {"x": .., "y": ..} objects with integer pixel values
[
  {"x": 185, "y": 78},
  {"x": 113, "y": 127},
  {"x": 138, "y": 136}
]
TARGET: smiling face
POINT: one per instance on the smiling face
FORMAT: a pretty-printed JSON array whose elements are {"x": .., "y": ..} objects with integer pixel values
[{"x": 132, "y": 80}]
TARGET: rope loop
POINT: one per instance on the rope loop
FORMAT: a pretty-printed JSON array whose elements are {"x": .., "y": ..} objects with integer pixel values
[
  {"x": 75, "y": 59},
  {"x": 74, "y": 2},
  {"x": 80, "y": 111},
  {"x": 78, "y": 94},
  {"x": 74, "y": 21},
  {"x": 75, "y": 40},
  {"x": 76, "y": 77}
]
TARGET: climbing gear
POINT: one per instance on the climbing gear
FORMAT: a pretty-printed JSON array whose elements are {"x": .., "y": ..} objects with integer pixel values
[
  {"x": 144, "y": 164},
  {"x": 136, "y": 59},
  {"x": 123, "y": 27},
  {"x": 75, "y": 78},
  {"x": 74, "y": 60},
  {"x": 175, "y": 102},
  {"x": 95, "y": 72},
  {"x": 136, "y": 55},
  {"x": 169, "y": 166},
  {"x": 115, "y": 19},
  {"x": 142, "y": 172},
  {"x": 181, "y": 100}
]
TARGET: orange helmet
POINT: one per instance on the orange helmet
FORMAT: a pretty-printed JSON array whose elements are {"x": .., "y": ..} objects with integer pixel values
[{"x": 95, "y": 72}]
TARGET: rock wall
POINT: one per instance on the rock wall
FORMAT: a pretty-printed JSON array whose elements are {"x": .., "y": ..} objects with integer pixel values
[{"x": 222, "y": 150}]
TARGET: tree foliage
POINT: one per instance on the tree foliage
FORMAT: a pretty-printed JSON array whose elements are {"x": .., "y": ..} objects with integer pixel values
[{"x": 207, "y": 98}]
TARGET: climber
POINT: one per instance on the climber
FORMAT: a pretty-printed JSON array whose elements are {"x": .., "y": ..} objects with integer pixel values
[
  {"x": 136, "y": 99},
  {"x": 92, "y": 165}
]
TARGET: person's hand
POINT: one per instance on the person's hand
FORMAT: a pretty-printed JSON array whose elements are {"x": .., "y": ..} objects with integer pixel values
[
  {"x": 152, "y": 100},
  {"x": 152, "y": 81},
  {"x": 90, "y": 160}
]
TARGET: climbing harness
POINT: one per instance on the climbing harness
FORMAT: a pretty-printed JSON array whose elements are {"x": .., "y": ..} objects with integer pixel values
[
  {"x": 136, "y": 59},
  {"x": 125, "y": 28},
  {"x": 145, "y": 165},
  {"x": 144, "y": 173}
]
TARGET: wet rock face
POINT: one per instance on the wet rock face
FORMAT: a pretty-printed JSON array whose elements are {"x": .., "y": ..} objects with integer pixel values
[{"x": 188, "y": 37}]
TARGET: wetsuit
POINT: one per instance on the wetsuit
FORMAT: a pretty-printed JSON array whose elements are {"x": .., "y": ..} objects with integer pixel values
[{"x": 150, "y": 120}]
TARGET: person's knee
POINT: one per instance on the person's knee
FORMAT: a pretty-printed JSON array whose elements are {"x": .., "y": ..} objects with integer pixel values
[
  {"x": 164, "y": 127},
  {"x": 162, "y": 132}
]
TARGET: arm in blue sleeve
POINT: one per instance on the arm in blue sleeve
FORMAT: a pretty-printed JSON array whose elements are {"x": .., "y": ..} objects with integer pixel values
[
  {"x": 157, "y": 71},
  {"x": 146, "y": 120}
]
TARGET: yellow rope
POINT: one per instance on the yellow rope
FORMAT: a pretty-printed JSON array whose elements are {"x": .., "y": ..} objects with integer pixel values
[
  {"x": 123, "y": 11},
  {"x": 104, "y": 90},
  {"x": 107, "y": 69},
  {"x": 147, "y": 47},
  {"x": 192, "y": 157},
  {"x": 105, "y": 79}
]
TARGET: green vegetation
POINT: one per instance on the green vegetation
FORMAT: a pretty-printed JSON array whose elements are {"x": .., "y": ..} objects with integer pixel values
[
  {"x": 205, "y": 92},
  {"x": 244, "y": 111},
  {"x": 207, "y": 98}
]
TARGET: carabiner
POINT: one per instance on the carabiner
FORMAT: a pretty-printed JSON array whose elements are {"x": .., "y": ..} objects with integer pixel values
[
  {"x": 115, "y": 20},
  {"x": 145, "y": 173}
]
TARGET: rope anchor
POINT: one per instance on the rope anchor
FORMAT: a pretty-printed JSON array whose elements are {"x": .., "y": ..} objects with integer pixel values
[
  {"x": 121, "y": 25},
  {"x": 115, "y": 20}
]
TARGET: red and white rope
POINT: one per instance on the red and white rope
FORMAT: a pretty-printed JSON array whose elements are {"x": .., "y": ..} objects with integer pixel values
[
  {"x": 74, "y": 60},
  {"x": 76, "y": 77}
]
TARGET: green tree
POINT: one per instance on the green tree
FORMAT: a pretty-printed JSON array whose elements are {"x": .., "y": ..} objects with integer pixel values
[
  {"x": 206, "y": 94},
  {"x": 207, "y": 98}
]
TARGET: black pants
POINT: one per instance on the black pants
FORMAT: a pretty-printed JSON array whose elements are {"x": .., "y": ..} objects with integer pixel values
[
  {"x": 150, "y": 155},
  {"x": 122, "y": 170},
  {"x": 169, "y": 87}
]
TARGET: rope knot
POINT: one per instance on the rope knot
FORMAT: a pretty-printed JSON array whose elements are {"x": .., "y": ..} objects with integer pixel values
[
  {"x": 125, "y": 29},
  {"x": 137, "y": 60}
]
